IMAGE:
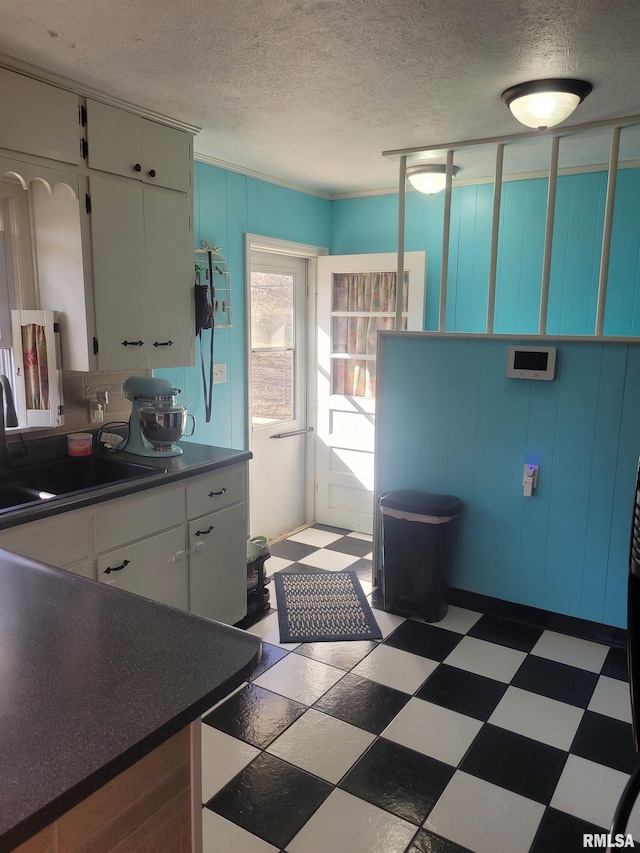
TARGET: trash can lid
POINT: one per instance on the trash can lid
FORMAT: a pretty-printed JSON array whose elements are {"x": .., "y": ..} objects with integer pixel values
[{"x": 422, "y": 503}]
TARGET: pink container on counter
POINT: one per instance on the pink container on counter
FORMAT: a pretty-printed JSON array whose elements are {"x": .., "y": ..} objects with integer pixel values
[{"x": 79, "y": 444}]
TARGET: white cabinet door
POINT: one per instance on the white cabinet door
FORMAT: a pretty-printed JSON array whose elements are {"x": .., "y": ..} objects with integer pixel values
[
  {"x": 119, "y": 274},
  {"x": 169, "y": 271},
  {"x": 142, "y": 275},
  {"x": 36, "y": 118},
  {"x": 114, "y": 140},
  {"x": 148, "y": 568},
  {"x": 218, "y": 571},
  {"x": 126, "y": 144},
  {"x": 166, "y": 154}
]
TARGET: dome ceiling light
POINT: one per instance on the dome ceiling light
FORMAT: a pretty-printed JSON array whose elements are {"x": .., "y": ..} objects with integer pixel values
[
  {"x": 545, "y": 103},
  {"x": 429, "y": 178}
]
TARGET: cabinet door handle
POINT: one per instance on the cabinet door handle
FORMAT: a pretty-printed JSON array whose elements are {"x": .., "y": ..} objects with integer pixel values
[
  {"x": 110, "y": 569},
  {"x": 132, "y": 343},
  {"x": 152, "y": 173},
  {"x": 204, "y": 532},
  {"x": 163, "y": 343},
  {"x": 137, "y": 167},
  {"x": 216, "y": 494},
  {"x": 180, "y": 555}
]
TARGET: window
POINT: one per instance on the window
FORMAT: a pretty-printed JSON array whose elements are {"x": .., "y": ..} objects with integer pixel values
[
  {"x": 272, "y": 347},
  {"x": 361, "y": 305}
]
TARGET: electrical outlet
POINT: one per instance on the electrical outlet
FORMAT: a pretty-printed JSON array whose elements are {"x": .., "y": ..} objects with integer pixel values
[
  {"x": 219, "y": 373},
  {"x": 96, "y": 412}
]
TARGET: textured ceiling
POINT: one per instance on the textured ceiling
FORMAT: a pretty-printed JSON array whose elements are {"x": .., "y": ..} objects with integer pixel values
[{"x": 312, "y": 91}]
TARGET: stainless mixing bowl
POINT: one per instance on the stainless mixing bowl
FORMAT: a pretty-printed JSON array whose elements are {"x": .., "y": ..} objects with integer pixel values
[{"x": 163, "y": 425}]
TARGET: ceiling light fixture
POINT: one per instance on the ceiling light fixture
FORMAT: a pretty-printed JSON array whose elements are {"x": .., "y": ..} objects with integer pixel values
[
  {"x": 545, "y": 103},
  {"x": 429, "y": 178}
]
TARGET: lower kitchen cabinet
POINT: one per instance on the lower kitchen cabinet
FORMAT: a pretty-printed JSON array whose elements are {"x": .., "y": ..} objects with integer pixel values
[
  {"x": 86, "y": 569},
  {"x": 137, "y": 516},
  {"x": 181, "y": 545},
  {"x": 217, "y": 546},
  {"x": 150, "y": 568},
  {"x": 64, "y": 541}
]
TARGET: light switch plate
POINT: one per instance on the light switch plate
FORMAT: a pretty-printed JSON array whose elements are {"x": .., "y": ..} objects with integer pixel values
[{"x": 219, "y": 373}]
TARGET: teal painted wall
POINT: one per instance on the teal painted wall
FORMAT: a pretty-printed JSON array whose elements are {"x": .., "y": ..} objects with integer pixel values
[
  {"x": 228, "y": 205},
  {"x": 595, "y": 507},
  {"x": 459, "y": 426},
  {"x": 363, "y": 225}
]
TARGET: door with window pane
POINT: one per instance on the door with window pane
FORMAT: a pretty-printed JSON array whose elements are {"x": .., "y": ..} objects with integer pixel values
[
  {"x": 356, "y": 299},
  {"x": 277, "y": 301}
]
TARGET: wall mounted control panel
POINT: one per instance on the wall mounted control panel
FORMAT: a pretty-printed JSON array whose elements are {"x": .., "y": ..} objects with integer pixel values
[{"x": 531, "y": 362}]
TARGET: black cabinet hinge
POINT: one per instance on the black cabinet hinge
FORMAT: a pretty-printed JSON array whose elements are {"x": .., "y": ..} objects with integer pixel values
[
  {"x": 61, "y": 410},
  {"x": 83, "y": 115},
  {"x": 95, "y": 345},
  {"x": 84, "y": 148},
  {"x": 87, "y": 202},
  {"x": 56, "y": 327}
]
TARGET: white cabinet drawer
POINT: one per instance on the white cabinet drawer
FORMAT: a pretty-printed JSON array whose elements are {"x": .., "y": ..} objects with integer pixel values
[
  {"x": 148, "y": 568},
  {"x": 218, "y": 565},
  {"x": 215, "y": 491},
  {"x": 135, "y": 517},
  {"x": 60, "y": 540}
]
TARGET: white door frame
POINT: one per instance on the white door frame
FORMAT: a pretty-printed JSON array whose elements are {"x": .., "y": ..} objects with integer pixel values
[{"x": 310, "y": 253}]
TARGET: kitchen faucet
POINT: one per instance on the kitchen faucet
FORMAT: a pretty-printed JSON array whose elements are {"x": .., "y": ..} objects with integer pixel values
[{"x": 8, "y": 418}]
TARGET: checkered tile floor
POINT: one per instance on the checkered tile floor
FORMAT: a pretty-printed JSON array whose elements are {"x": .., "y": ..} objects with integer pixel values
[{"x": 478, "y": 733}]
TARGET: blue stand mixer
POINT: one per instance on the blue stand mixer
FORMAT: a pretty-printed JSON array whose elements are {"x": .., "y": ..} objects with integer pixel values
[{"x": 156, "y": 421}]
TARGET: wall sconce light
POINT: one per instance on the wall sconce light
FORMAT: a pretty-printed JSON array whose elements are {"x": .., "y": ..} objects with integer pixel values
[
  {"x": 429, "y": 178},
  {"x": 545, "y": 103}
]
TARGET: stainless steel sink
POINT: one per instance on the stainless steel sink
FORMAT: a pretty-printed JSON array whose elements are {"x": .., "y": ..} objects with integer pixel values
[{"x": 69, "y": 475}]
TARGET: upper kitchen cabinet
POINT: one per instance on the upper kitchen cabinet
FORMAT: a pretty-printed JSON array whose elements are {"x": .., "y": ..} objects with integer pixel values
[
  {"x": 46, "y": 241},
  {"x": 142, "y": 257},
  {"x": 38, "y": 119},
  {"x": 126, "y": 144}
]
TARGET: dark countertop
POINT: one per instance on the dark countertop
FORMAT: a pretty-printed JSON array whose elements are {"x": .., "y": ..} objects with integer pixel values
[
  {"x": 196, "y": 459},
  {"x": 91, "y": 680}
]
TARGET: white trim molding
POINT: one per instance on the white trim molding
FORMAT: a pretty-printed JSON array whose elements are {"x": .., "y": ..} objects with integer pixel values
[
  {"x": 84, "y": 91},
  {"x": 261, "y": 176}
]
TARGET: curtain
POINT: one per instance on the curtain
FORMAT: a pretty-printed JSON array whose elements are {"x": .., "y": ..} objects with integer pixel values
[
  {"x": 36, "y": 374},
  {"x": 372, "y": 293}
]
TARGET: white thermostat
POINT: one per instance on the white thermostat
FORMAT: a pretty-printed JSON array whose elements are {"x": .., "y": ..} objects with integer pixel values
[{"x": 531, "y": 362}]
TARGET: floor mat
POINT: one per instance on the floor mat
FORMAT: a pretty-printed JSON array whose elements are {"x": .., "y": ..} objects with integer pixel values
[{"x": 323, "y": 606}]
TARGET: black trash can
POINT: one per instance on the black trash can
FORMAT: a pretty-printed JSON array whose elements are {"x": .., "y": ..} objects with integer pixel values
[{"x": 416, "y": 539}]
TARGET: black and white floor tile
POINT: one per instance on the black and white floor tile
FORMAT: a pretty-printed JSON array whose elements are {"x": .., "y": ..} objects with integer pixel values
[{"x": 477, "y": 733}]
